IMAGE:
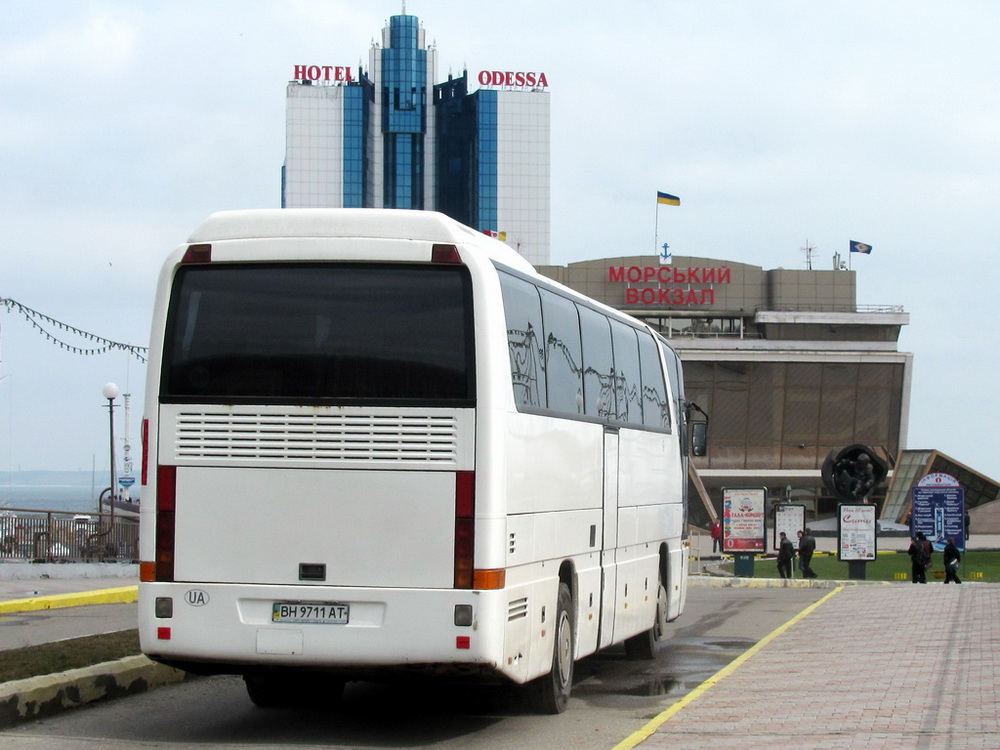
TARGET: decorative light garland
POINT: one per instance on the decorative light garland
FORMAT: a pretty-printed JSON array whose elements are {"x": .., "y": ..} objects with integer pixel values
[{"x": 104, "y": 345}]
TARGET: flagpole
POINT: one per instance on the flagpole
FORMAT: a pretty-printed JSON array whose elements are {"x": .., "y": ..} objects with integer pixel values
[{"x": 656, "y": 228}]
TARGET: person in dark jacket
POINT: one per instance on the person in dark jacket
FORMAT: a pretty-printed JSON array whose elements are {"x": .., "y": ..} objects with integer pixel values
[
  {"x": 786, "y": 551},
  {"x": 952, "y": 557},
  {"x": 807, "y": 546},
  {"x": 920, "y": 557}
]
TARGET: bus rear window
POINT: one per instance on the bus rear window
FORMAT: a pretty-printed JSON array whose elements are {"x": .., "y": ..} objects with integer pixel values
[{"x": 306, "y": 333}]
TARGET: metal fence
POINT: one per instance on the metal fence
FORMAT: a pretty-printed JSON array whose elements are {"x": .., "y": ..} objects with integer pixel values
[{"x": 53, "y": 536}]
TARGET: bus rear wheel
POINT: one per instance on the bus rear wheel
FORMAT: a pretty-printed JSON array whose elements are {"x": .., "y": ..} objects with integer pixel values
[{"x": 551, "y": 691}]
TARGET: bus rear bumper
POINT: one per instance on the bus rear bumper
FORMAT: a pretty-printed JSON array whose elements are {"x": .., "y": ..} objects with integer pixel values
[{"x": 211, "y": 628}]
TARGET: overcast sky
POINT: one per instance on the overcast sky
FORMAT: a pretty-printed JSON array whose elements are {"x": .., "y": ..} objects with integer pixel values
[{"x": 124, "y": 124}]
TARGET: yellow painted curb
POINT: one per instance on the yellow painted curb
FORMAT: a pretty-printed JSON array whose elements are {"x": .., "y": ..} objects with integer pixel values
[
  {"x": 120, "y": 595},
  {"x": 38, "y": 697},
  {"x": 637, "y": 737}
]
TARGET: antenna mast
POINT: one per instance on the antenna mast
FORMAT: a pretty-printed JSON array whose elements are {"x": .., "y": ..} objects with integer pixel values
[{"x": 808, "y": 250}]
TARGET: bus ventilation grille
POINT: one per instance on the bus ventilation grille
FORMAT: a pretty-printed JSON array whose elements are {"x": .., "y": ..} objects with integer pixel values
[
  {"x": 316, "y": 437},
  {"x": 517, "y": 609}
]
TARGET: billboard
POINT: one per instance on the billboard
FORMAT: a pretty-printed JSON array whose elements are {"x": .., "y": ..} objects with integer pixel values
[{"x": 743, "y": 520}]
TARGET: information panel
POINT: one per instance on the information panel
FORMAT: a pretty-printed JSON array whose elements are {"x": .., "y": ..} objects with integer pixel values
[
  {"x": 856, "y": 531},
  {"x": 788, "y": 518},
  {"x": 939, "y": 510},
  {"x": 743, "y": 520}
]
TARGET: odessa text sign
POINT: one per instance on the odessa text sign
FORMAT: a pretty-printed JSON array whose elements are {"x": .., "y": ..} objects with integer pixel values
[{"x": 513, "y": 79}]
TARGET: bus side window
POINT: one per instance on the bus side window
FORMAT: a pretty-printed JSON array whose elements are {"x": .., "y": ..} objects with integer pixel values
[
  {"x": 525, "y": 340},
  {"x": 628, "y": 383},
  {"x": 655, "y": 404},
  {"x": 563, "y": 354},
  {"x": 598, "y": 365}
]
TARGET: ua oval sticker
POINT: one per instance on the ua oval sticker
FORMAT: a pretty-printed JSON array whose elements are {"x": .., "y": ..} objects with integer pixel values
[{"x": 196, "y": 597}]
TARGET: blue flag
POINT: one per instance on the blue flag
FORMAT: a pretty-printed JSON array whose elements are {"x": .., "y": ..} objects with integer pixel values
[{"x": 860, "y": 247}]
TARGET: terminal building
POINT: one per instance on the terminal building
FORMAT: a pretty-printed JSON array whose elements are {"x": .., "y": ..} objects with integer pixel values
[
  {"x": 395, "y": 136},
  {"x": 786, "y": 363}
]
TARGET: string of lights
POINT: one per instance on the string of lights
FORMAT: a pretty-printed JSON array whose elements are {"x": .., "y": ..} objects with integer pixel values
[{"x": 43, "y": 323}]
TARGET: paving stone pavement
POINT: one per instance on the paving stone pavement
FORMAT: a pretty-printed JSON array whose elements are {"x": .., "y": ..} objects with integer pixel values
[{"x": 895, "y": 666}]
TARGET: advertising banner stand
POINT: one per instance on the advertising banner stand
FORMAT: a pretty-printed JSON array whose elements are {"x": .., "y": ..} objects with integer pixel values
[
  {"x": 857, "y": 540},
  {"x": 743, "y": 527}
]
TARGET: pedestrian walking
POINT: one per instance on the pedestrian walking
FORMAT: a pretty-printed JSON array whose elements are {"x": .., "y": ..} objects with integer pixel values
[
  {"x": 920, "y": 557},
  {"x": 952, "y": 557},
  {"x": 786, "y": 551},
  {"x": 807, "y": 546},
  {"x": 716, "y": 536}
]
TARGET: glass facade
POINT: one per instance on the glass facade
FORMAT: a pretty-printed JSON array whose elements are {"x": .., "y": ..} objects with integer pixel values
[
  {"x": 790, "y": 415},
  {"x": 390, "y": 137},
  {"x": 486, "y": 161},
  {"x": 355, "y": 145},
  {"x": 404, "y": 119}
]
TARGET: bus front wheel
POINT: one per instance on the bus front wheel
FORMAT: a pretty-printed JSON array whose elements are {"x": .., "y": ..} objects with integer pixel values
[{"x": 551, "y": 691}]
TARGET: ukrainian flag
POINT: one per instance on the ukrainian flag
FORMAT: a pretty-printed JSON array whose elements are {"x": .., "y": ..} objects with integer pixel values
[{"x": 667, "y": 199}]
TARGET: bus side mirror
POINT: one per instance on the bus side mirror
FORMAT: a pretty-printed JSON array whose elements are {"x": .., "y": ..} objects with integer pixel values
[{"x": 699, "y": 438}]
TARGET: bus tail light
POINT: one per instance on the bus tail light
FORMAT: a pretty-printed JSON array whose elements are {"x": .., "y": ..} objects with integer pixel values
[
  {"x": 166, "y": 505},
  {"x": 465, "y": 525},
  {"x": 144, "y": 471},
  {"x": 198, "y": 254},
  {"x": 489, "y": 579},
  {"x": 445, "y": 254}
]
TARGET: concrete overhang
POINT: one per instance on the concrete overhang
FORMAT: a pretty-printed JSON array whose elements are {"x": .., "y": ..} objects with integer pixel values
[
  {"x": 799, "y": 479},
  {"x": 819, "y": 348},
  {"x": 832, "y": 318}
]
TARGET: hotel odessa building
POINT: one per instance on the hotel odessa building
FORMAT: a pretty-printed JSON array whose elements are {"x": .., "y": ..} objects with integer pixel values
[{"x": 390, "y": 137}]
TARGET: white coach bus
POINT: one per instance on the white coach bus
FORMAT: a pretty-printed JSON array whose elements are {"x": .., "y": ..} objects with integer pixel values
[{"x": 377, "y": 443}]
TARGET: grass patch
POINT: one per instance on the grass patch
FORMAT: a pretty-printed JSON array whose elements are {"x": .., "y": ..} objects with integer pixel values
[
  {"x": 73, "y": 653},
  {"x": 889, "y": 566}
]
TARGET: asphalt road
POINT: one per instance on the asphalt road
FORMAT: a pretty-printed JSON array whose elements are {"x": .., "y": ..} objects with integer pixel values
[
  {"x": 612, "y": 698},
  {"x": 21, "y": 629}
]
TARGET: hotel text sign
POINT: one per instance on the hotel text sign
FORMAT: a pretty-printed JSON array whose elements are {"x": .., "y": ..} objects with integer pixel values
[
  {"x": 513, "y": 79},
  {"x": 324, "y": 73},
  {"x": 672, "y": 294}
]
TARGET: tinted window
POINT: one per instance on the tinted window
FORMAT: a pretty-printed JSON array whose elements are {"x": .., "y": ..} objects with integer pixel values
[
  {"x": 563, "y": 357},
  {"x": 273, "y": 333},
  {"x": 655, "y": 405},
  {"x": 628, "y": 383},
  {"x": 525, "y": 340},
  {"x": 598, "y": 365}
]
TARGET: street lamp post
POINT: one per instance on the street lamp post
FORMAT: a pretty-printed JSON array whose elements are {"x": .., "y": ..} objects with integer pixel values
[{"x": 111, "y": 392}]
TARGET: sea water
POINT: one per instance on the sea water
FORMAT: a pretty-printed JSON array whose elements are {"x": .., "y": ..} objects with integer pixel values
[{"x": 64, "y": 498}]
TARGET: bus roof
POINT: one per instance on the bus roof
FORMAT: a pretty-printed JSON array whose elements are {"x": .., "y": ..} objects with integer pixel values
[{"x": 379, "y": 223}]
